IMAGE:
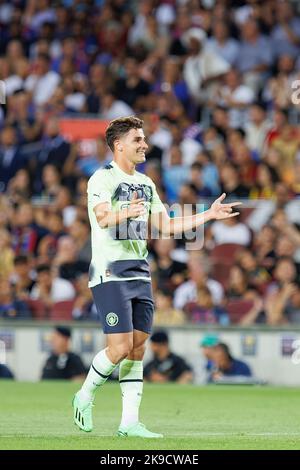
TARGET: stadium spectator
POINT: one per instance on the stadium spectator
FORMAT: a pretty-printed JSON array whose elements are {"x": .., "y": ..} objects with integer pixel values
[
  {"x": 84, "y": 307},
  {"x": 231, "y": 231},
  {"x": 11, "y": 158},
  {"x": 238, "y": 286},
  {"x": 282, "y": 293},
  {"x": 62, "y": 363},
  {"x": 43, "y": 81},
  {"x": 131, "y": 88},
  {"x": 203, "y": 68},
  {"x": 11, "y": 306},
  {"x": 226, "y": 366},
  {"x": 168, "y": 273},
  {"x": 7, "y": 254},
  {"x": 50, "y": 289},
  {"x": 67, "y": 261},
  {"x": 198, "y": 277},
  {"x": 207, "y": 345},
  {"x": 204, "y": 311},
  {"x": 22, "y": 278},
  {"x": 165, "y": 313},
  {"x": 165, "y": 365}
]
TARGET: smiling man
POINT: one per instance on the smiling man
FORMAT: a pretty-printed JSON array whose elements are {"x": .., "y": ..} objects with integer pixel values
[{"x": 120, "y": 202}]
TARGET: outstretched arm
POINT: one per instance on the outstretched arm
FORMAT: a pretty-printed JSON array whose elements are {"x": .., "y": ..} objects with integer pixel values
[{"x": 217, "y": 211}]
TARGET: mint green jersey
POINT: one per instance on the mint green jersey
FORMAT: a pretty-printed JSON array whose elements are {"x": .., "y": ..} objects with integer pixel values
[{"x": 119, "y": 253}]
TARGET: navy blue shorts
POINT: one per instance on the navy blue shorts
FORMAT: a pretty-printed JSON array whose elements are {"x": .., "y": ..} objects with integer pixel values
[{"x": 124, "y": 306}]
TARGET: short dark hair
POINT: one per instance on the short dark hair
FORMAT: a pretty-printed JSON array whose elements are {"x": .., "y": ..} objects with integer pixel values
[
  {"x": 63, "y": 331},
  {"x": 43, "y": 268},
  {"x": 21, "y": 259},
  {"x": 225, "y": 348},
  {"x": 119, "y": 127},
  {"x": 159, "y": 337}
]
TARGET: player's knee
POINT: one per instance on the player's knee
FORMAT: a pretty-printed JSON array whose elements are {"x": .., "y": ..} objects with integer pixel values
[
  {"x": 137, "y": 352},
  {"x": 122, "y": 350}
]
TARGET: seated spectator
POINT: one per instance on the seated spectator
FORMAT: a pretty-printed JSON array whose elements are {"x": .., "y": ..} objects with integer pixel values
[
  {"x": 11, "y": 307},
  {"x": 168, "y": 273},
  {"x": 257, "y": 129},
  {"x": 226, "y": 365},
  {"x": 221, "y": 43},
  {"x": 62, "y": 363},
  {"x": 7, "y": 254},
  {"x": 5, "y": 372},
  {"x": 203, "y": 68},
  {"x": 282, "y": 296},
  {"x": 266, "y": 179},
  {"x": 66, "y": 261},
  {"x": 80, "y": 233},
  {"x": 165, "y": 365},
  {"x": 255, "y": 54},
  {"x": 84, "y": 307},
  {"x": 207, "y": 344},
  {"x": 26, "y": 233},
  {"x": 230, "y": 183},
  {"x": 175, "y": 175},
  {"x": 230, "y": 231},
  {"x": 204, "y": 311},
  {"x": 43, "y": 81},
  {"x": 23, "y": 278},
  {"x": 132, "y": 87},
  {"x": 197, "y": 179},
  {"x": 286, "y": 32},
  {"x": 235, "y": 96},
  {"x": 11, "y": 158},
  {"x": 238, "y": 286},
  {"x": 50, "y": 289},
  {"x": 165, "y": 313},
  {"x": 257, "y": 275},
  {"x": 198, "y": 276}
]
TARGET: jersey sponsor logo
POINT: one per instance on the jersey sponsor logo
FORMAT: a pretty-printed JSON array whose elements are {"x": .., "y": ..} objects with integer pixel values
[
  {"x": 124, "y": 192},
  {"x": 112, "y": 319}
]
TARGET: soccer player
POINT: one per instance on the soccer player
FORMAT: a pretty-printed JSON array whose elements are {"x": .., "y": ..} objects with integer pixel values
[{"x": 120, "y": 201}]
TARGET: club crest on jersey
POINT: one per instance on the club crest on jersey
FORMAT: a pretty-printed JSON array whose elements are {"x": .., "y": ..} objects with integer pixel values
[
  {"x": 124, "y": 192},
  {"x": 112, "y": 319}
]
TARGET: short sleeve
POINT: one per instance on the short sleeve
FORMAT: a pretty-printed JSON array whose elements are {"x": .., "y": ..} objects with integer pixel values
[
  {"x": 156, "y": 204},
  {"x": 99, "y": 189}
]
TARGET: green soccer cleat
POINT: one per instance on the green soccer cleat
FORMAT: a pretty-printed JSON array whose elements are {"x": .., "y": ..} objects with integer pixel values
[
  {"x": 83, "y": 414},
  {"x": 138, "y": 430}
]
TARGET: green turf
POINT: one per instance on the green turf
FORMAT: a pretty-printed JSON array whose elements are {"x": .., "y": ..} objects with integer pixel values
[{"x": 39, "y": 416}]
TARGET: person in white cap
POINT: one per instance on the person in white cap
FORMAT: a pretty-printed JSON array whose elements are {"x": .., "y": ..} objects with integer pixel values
[{"x": 203, "y": 68}]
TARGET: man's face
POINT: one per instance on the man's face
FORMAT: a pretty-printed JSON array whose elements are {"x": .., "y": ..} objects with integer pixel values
[
  {"x": 133, "y": 146},
  {"x": 59, "y": 343}
]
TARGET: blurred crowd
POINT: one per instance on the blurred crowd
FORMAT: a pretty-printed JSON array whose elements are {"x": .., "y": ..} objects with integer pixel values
[{"x": 216, "y": 84}]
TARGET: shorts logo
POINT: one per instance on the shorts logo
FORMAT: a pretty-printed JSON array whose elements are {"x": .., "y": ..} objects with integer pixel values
[{"x": 112, "y": 319}]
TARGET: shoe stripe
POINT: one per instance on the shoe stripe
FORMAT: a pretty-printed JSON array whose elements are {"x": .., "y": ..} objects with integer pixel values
[
  {"x": 99, "y": 373},
  {"x": 76, "y": 413},
  {"x": 130, "y": 380}
]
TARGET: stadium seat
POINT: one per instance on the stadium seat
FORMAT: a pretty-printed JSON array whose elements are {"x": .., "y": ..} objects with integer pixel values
[
  {"x": 62, "y": 310},
  {"x": 238, "y": 308},
  {"x": 225, "y": 253},
  {"x": 38, "y": 309}
]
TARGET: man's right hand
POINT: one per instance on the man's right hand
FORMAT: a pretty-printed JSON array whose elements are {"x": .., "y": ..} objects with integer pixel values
[{"x": 136, "y": 207}]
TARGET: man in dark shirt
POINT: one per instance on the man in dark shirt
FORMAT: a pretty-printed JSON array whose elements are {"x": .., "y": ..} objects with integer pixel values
[
  {"x": 226, "y": 365},
  {"x": 63, "y": 364},
  {"x": 166, "y": 366}
]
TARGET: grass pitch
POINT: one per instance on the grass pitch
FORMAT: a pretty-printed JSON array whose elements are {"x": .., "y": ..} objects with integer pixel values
[{"x": 39, "y": 416}]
